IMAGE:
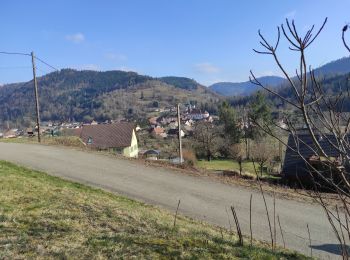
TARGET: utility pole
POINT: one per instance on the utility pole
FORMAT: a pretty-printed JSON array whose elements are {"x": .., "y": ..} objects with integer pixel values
[
  {"x": 245, "y": 127},
  {"x": 179, "y": 125},
  {"x": 36, "y": 97}
]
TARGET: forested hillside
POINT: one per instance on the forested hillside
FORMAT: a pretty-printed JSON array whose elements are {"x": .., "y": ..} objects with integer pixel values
[
  {"x": 331, "y": 85},
  {"x": 71, "y": 95},
  {"x": 331, "y": 69},
  {"x": 244, "y": 88}
]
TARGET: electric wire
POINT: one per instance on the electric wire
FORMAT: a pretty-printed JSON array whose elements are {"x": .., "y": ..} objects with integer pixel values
[
  {"x": 26, "y": 54},
  {"x": 15, "y": 53},
  {"x": 47, "y": 64}
]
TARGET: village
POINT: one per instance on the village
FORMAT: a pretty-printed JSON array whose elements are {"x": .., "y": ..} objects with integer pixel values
[
  {"x": 158, "y": 140},
  {"x": 175, "y": 130},
  {"x": 163, "y": 128}
]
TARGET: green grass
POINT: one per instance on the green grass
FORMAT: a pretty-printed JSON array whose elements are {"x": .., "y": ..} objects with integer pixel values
[
  {"x": 227, "y": 165},
  {"x": 45, "y": 217}
]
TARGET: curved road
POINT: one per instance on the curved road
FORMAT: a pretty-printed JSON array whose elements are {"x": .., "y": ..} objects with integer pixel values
[{"x": 201, "y": 198}]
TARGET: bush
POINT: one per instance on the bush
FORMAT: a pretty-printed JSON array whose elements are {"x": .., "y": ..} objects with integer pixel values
[
  {"x": 65, "y": 141},
  {"x": 189, "y": 156}
]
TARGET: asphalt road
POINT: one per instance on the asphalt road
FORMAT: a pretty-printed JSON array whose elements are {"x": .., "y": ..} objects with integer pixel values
[{"x": 201, "y": 198}]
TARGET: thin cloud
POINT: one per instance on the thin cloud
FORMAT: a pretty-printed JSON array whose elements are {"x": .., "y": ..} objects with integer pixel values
[
  {"x": 115, "y": 56},
  {"x": 88, "y": 67},
  {"x": 291, "y": 14},
  {"x": 206, "y": 68},
  {"x": 127, "y": 69},
  {"x": 124, "y": 68},
  {"x": 75, "y": 38}
]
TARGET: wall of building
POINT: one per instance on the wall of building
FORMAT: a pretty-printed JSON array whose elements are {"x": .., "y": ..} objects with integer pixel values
[{"x": 133, "y": 149}]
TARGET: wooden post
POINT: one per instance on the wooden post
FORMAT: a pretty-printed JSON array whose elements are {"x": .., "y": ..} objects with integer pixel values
[
  {"x": 250, "y": 220},
  {"x": 36, "y": 97},
  {"x": 177, "y": 209},
  {"x": 179, "y": 125}
]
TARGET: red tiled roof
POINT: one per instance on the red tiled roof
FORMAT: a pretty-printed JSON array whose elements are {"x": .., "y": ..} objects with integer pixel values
[
  {"x": 158, "y": 130},
  {"x": 106, "y": 136}
]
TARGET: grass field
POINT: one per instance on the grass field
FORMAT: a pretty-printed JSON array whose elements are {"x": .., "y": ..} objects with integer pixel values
[
  {"x": 45, "y": 217},
  {"x": 224, "y": 165},
  {"x": 228, "y": 165}
]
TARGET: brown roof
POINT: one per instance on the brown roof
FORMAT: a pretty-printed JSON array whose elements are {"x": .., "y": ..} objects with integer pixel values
[
  {"x": 158, "y": 130},
  {"x": 104, "y": 136}
]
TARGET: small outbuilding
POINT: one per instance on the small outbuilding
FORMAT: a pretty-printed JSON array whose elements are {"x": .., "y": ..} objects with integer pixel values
[
  {"x": 151, "y": 155},
  {"x": 297, "y": 167}
]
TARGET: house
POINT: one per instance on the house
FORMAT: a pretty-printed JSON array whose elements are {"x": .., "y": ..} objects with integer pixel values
[
  {"x": 297, "y": 167},
  {"x": 189, "y": 122},
  {"x": 153, "y": 121},
  {"x": 12, "y": 133},
  {"x": 117, "y": 137},
  {"x": 188, "y": 130},
  {"x": 175, "y": 131},
  {"x": 158, "y": 131},
  {"x": 167, "y": 120},
  {"x": 197, "y": 114}
]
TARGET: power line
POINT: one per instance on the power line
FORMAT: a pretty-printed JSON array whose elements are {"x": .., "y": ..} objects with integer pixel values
[
  {"x": 43, "y": 71},
  {"x": 26, "y": 54},
  {"x": 14, "y": 67},
  {"x": 52, "y": 67},
  {"x": 14, "y": 53}
]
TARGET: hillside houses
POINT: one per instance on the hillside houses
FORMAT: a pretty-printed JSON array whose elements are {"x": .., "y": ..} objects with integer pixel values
[
  {"x": 158, "y": 131},
  {"x": 197, "y": 114},
  {"x": 166, "y": 125}
]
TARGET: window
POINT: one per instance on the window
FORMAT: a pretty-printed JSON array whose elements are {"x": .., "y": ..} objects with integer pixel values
[{"x": 89, "y": 141}]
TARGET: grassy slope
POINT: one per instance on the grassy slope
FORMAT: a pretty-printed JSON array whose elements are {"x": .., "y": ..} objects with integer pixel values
[
  {"x": 223, "y": 165},
  {"x": 46, "y": 217}
]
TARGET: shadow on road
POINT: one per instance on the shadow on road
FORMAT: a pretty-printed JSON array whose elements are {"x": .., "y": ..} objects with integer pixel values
[{"x": 330, "y": 248}]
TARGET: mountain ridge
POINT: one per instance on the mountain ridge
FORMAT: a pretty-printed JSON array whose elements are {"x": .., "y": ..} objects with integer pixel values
[
  {"x": 72, "y": 95},
  {"x": 337, "y": 67},
  {"x": 246, "y": 87}
]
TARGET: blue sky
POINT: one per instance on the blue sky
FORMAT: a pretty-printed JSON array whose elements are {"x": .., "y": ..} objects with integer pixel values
[{"x": 208, "y": 40}]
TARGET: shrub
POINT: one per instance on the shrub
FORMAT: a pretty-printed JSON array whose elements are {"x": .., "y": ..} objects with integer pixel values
[{"x": 189, "y": 156}]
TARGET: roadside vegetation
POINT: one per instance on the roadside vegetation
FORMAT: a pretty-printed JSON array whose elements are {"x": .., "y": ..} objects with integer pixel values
[
  {"x": 228, "y": 165},
  {"x": 46, "y": 217},
  {"x": 71, "y": 141}
]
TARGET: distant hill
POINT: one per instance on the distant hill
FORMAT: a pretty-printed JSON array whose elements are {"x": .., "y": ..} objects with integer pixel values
[
  {"x": 72, "y": 95},
  {"x": 332, "y": 85},
  {"x": 334, "y": 68},
  {"x": 244, "y": 88},
  {"x": 337, "y": 67}
]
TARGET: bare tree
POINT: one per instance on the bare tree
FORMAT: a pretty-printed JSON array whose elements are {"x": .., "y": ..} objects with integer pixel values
[
  {"x": 323, "y": 119},
  {"x": 207, "y": 137},
  {"x": 238, "y": 153},
  {"x": 261, "y": 153}
]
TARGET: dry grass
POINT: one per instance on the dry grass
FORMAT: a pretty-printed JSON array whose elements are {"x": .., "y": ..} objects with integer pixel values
[
  {"x": 44, "y": 217},
  {"x": 71, "y": 141}
]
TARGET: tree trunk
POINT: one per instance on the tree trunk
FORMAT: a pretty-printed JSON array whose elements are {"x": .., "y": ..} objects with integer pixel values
[
  {"x": 208, "y": 156},
  {"x": 240, "y": 167}
]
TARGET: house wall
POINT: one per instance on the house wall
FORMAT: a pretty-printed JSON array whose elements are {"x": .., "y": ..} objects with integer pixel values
[{"x": 133, "y": 149}]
